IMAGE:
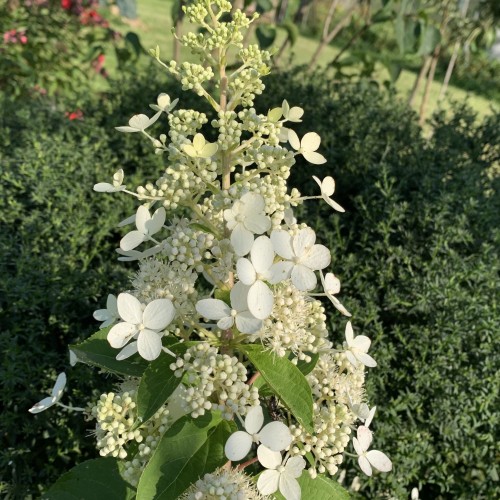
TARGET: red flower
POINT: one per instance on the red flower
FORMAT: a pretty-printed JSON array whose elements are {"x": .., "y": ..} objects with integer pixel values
[
  {"x": 74, "y": 115},
  {"x": 66, "y": 4}
]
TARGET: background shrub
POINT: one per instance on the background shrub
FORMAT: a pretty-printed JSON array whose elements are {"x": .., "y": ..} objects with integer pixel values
[{"x": 416, "y": 253}]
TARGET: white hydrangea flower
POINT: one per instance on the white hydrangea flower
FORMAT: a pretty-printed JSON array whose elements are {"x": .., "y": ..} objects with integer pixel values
[
  {"x": 331, "y": 285},
  {"x": 200, "y": 148},
  {"x": 109, "y": 315},
  {"x": 53, "y": 398},
  {"x": 357, "y": 347},
  {"x": 307, "y": 146},
  {"x": 147, "y": 226},
  {"x": 245, "y": 218},
  {"x": 275, "y": 435},
  {"x": 302, "y": 255},
  {"x": 163, "y": 103},
  {"x": 327, "y": 186},
  {"x": 139, "y": 123},
  {"x": 280, "y": 475},
  {"x": 293, "y": 114},
  {"x": 73, "y": 359},
  {"x": 106, "y": 187},
  {"x": 227, "y": 316},
  {"x": 253, "y": 272},
  {"x": 369, "y": 459},
  {"x": 141, "y": 323}
]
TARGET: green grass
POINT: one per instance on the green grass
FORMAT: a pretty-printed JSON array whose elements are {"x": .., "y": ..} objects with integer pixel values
[{"x": 155, "y": 16}]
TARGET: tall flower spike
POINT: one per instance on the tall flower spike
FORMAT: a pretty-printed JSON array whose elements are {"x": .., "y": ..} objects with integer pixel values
[
  {"x": 279, "y": 475},
  {"x": 143, "y": 324},
  {"x": 245, "y": 218},
  {"x": 274, "y": 435},
  {"x": 302, "y": 255},
  {"x": 369, "y": 459},
  {"x": 53, "y": 398},
  {"x": 227, "y": 316},
  {"x": 357, "y": 347},
  {"x": 254, "y": 272}
]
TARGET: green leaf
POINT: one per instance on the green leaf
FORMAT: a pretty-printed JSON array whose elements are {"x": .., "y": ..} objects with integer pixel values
[
  {"x": 187, "y": 451},
  {"x": 156, "y": 386},
  {"x": 286, "y": 380},
  {"x": 224, "y": 295},
  {"x": 265, "y": 35},
  {"x": 97, "y": 479},
  {"x": 264, "y": 5},
  {"x": 429, "y": 39},
  {"x": 97, "y": 351},
  {"x": 320, "y": 488},
  {"x": 201, "y": 227},
  {"x": 292, "y": 31}
]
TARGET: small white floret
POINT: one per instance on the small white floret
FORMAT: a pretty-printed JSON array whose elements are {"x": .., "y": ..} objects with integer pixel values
[
  {"x": 275, "y": 435},
  {"x": 53, "y": 398}
]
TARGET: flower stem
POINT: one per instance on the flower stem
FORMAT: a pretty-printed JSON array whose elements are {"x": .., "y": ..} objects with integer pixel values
[
  {"x": 254, "y": 377},
  {"x": 247, "y": 463}
]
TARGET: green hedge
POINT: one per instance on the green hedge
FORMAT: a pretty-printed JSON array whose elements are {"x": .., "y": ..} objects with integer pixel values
[
  {"x": 416, "y": 253},
  {"x": 57, "y": 264}
]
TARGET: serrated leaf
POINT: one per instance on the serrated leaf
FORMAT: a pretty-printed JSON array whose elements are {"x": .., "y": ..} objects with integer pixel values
[
  {"x": 286, "y": 380},
  {"x": 156, "y": 386},
  {"x": 96, "y": 351},
  {"x": 97, "y": 479},
  {"x": 187, "y": 451}
]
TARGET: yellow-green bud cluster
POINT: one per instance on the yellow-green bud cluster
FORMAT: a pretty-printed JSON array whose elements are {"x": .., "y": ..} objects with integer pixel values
[
  {"x": 192, "y": 76},
  {"x": 187, "y": 247},
  {"x": 230, "y": 129},
  {"x": 334, "y": 392},
  {"x": 115, "y": 415},
  {"x": 151, "y": 432},
  {"x": 185, "y": 123},
  {"x": 214, "y": 382}
]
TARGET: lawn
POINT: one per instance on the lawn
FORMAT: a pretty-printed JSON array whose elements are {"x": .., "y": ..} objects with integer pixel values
[{"x": 156, "y": 29}]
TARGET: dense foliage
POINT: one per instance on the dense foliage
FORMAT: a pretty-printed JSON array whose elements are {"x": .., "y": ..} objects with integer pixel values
[
  {"x": 418, "y": 252},
  {"x": 49, "y": 165},
  {"x": 419, "y": 248}
]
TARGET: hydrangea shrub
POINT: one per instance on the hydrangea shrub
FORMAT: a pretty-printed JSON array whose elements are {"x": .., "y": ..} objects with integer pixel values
[{"x": 230, "y": 384}]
